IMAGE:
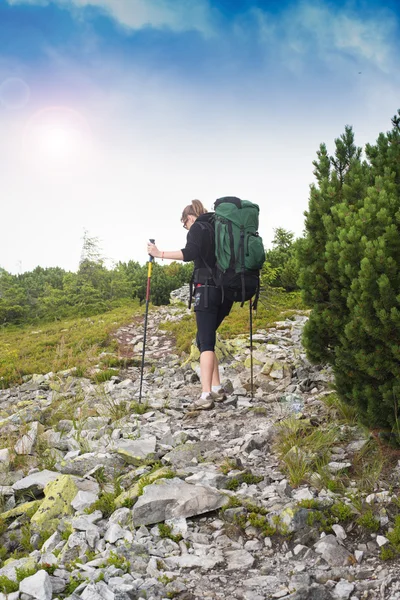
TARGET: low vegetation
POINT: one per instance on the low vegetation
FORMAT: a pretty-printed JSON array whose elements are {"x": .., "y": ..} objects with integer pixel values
[
  {"x": 275, "y": 304},
  {"x": 51, "y": 347}
]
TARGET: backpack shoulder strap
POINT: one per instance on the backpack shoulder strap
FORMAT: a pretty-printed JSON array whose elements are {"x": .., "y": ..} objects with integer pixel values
[{"x": 207, "y": 225}]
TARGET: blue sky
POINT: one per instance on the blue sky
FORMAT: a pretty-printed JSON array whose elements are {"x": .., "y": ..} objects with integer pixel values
[{"x": 116, "y": 113}]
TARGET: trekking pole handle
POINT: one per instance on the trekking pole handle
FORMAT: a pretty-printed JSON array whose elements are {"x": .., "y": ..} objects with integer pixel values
[{"x": 151, "y": 259}]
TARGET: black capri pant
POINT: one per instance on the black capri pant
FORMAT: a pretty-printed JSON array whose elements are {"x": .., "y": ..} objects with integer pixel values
[{"x": 210, "y": 312}]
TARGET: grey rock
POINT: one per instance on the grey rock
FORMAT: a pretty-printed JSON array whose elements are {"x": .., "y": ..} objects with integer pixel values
[
  {"x": 51, "y": 543},
  {"x": 83, "y": 522},
  {"x": 26, "y": 443},
  {"x": 85, "y": 463},
  {"x": 335, "y": 466},
  {"x": 122, "y": 516},
  {"x": 35, "y": 483},
  {"x": 92, "y": 536},
  {"x": 211, "y": 476},
  {"x": 339, "y": 532},
  {"x": 343, "y": 590},
  {"x": 97, "y": 591},
  {"x": 183, "y": 455},
  {"x": 170, "y": 498},
  {"x": 38, "y": 586},
  {"x": 114, "y": 533},
  {"x": 190, "y": 561},
  {"x": 262, "y": 581},
  {"x": 333, "y": 553},
  {"x": 134, "y": 452},
  {"x": 83, "y": 500},
  {"x": 238, "y": 559}
]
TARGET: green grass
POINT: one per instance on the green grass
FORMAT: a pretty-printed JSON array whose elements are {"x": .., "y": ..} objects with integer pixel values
[
  {"x": 105, "y": 375},
  {"x": 274, "y": 305},
  {"x": 368, "y": 521},
  {"x": 166, "y": 532},
  {"x": 105, "y": 503},
  {"x": 45, "y": 347},
  {"x": 342, "y": 412},
  {"x": 7, "y": 586},
  {"x": 302, "y": 448}
]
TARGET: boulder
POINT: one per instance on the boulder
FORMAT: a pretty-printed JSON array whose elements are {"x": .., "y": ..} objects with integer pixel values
[
  {"x": 170, "y": 498},
  {"x": 57, "y": 503},
  {"x": 35, "y": 483},
  {"x": 38, "y": 586}
]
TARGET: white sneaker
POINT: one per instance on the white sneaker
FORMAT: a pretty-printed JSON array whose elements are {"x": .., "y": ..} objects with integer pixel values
[
  {"x": 220, "y": 395},
  {"x": 206, "y": 403}
]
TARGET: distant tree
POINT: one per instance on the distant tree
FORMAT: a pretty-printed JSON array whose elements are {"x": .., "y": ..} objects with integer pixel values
[{"x": 281, "y": 260}]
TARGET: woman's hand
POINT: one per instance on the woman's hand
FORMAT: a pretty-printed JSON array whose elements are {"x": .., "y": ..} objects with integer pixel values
[{"x": 153, "y": 250}]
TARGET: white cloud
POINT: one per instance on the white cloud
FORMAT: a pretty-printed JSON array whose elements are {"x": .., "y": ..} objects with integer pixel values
[
  {"x": 318, "y": 31},
  {"x": 179, "y": 15}
]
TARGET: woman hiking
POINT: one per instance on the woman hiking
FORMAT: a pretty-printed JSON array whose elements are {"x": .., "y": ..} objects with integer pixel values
[{"x": 209, "y": 305}]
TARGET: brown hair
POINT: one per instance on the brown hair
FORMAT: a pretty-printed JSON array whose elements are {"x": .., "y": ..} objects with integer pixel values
[{"x": 195, "y": 208}]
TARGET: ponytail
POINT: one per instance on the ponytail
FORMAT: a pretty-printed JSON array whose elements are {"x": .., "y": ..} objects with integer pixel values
[{"x": 195, "y": 208}]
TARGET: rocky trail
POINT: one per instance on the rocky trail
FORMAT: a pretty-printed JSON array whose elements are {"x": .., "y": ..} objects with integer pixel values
[{"x": 103, "y": 498}]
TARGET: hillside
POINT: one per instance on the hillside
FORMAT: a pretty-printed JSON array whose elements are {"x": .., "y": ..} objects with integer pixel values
[{"x": 279, "y": 495}]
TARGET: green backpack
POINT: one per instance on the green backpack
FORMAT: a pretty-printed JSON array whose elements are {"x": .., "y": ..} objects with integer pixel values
[{"x": 239, "y": 249}]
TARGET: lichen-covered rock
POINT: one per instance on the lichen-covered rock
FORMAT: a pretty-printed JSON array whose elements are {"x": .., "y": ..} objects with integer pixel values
[
  {"x": 57, "y": 503},
  {"x": 133, "y": 493},
  {"x": 11, "y": 565},
  {"x": 21, "y": 509}
]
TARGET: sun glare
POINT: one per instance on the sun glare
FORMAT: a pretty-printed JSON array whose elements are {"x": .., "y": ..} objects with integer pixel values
[{"x": 57, "y": 138}]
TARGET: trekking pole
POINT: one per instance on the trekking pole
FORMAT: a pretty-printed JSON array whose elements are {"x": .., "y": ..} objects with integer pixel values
[
  {"x": 149, "y": 269},
  {"x": 251, "y": 349}
]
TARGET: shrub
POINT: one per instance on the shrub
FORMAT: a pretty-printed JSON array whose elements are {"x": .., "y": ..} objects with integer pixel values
[{"x": 350, "y": 273}]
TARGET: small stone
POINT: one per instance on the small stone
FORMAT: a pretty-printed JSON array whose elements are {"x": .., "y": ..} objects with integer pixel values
[
  {"x": 333, "y": 553},
  {"x": 114, "y": 533},
  {"x": 299, "y": 550},
  {"x": 381, "y": 540},
  {"x": 343, "y": 590},
  {"x": 339, "y": 532},
  {"x": 92, "y": 536},
  {"x": 83, "y": 500},
  {"x": 359, "y": 555},
  {"x": 26, "y": 443},
  {"x": 238, "y": 559},
  {"x": 4, "y": 457},
  {"x": 281, "y": 593},
  {"x": 83, "y": 522},
  {"x": 336, "y": 467},
  {"x": 50, "y": 544},
  {"x": 262, "y": 581},
  {"x": 303, "y": 494},
  {"x": 253, "y": 545},
  {"x": 121, "y": 516}
]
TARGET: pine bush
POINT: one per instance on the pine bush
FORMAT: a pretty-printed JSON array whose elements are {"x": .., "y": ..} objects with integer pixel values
[{"x": 350, "y": 273}]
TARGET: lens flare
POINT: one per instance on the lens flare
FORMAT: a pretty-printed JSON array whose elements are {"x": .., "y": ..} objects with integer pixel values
[
  {"x": 14, "y": 93},
  {"x": 57, "y": 138}
]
